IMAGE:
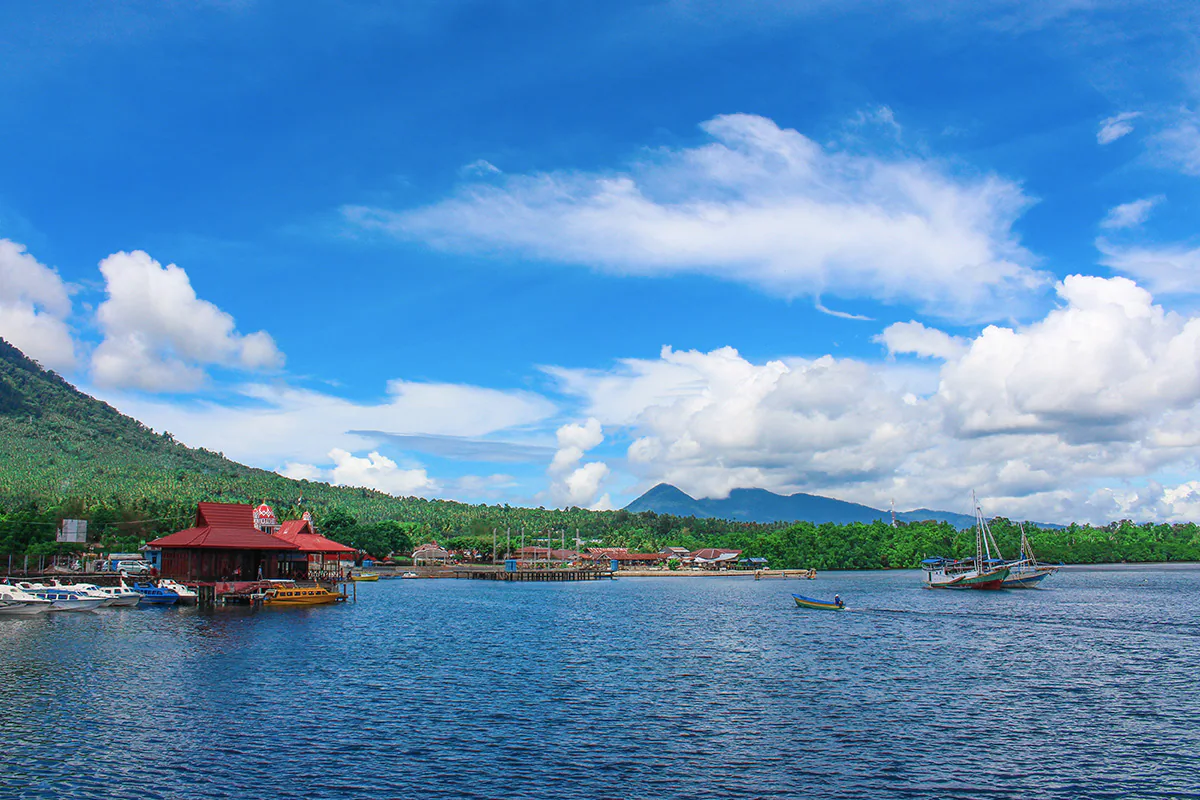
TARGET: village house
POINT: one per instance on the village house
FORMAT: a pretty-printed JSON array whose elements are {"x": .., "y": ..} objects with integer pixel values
[
  {"x": 713, "y": 558},
  {"x": 430, "y": 554}
]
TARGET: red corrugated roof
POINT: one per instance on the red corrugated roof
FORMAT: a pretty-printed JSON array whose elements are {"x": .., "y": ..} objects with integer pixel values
[
  {"x": 710, "y": 553},
  {"x": 225, "y": 515},
  {"x": 227, "y": 526},
  {"x": 300, "y": 533}
]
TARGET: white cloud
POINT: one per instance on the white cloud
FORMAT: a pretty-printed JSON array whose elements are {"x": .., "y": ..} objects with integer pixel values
[
  {"x": 159, "y": 336},
  {"x": 303, "y": 472},
  {"x": 913, "y": 337},
  {"x": 479, "y": 168},
  {"x": 1114, "y": 128},
  {"x": 378, "y": 472},
  {"x": 572, "y": 484},
  {"x": 1179, "y": 144},
  {"x": 277, "y": 424},
  {"x": 34, "y": 306},
  {"x": 1069, "y": 417},
  {"x": 580, "y": 486},
  {"x": 1165, "y": 269},
  {"x": 1130, "y": 215},
  {"x": 760, "y": 205}
]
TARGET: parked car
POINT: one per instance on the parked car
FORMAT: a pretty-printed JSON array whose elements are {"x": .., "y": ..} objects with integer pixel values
[{"x": 133, "y": 567}]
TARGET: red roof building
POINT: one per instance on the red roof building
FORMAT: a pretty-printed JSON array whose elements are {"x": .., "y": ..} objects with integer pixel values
[{"x": 224, "y": 544}]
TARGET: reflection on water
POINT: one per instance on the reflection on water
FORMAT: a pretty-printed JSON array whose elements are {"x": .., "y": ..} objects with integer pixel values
[{"x": 638, "y": 688}]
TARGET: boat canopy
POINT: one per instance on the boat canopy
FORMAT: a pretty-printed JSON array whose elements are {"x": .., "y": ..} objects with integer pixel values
[{"x": 933, "y": 561}]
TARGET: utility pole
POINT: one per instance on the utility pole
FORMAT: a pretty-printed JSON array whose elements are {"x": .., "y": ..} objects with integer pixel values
[{"x": 493, "y": 545}]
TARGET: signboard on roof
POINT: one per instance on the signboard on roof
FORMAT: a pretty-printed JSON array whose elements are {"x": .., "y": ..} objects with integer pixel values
[
  {"x": 264, "y": 517},
  {"x": 73, "y": 531}
]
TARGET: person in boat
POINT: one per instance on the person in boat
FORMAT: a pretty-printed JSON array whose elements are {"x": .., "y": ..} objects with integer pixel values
[{"x": 837, "y": 600}]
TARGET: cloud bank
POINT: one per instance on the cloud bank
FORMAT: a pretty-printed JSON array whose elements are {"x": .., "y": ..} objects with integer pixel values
[
  {"x": 1062, "y": 418},
  {"x": 761, "y": 205}
]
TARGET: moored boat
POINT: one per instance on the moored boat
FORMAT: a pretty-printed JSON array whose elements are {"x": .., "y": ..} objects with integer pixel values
[
  {"x": 365, "y": 577},
  {"x": 111, "y": 595},
  {"x": 187, "y": 595},
  {"x": 819, "y": 605},
  {"x": 15, "y": 601},
  {"x": 1027, "y": 572},
  {"x": 300, "y": 596},
  {"x": 153, "y": 595},
  {"x": 62, "y": 599},
  {"x": 983, "y": 571}
]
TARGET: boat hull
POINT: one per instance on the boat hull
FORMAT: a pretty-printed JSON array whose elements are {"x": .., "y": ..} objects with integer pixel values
[
  {"x": 968, "y": 580},
  {"x": 21, "y": 608},
  {"x": 816, "y": 605},
  {"x": 366, "y": 577},
  {"x": 76, "y": 605},
  {"x": 1027, "y": 581}
]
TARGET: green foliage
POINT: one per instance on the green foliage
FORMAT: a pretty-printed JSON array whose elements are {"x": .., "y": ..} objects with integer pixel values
[{"x": 66, "y": 455}]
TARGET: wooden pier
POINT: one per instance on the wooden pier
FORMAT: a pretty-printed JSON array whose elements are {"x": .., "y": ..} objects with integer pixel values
[{"x": 565, "y": 574}]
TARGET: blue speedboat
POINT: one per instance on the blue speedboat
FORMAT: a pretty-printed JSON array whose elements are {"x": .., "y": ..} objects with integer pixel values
[{"x": 154, "y": 596}]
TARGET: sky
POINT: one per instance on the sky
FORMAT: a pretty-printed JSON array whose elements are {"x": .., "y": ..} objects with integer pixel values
[{"x": 555, "y": 253}]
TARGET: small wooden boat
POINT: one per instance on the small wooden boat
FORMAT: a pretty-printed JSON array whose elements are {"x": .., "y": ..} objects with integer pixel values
[
  {"x": 300, "y": 596},
  {"x": 365, "y": 576},
  {"x": 818, "y": 605}
]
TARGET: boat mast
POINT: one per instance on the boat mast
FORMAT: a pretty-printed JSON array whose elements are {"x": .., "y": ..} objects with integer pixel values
[{"x": 978, "y": 532}]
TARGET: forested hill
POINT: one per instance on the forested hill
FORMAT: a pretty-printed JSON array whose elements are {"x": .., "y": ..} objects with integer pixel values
[{"x": 759, "y": 505}]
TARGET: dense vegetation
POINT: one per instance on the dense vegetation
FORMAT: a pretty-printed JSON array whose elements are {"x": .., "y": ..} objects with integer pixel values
[{"x": 66, "y": 455}]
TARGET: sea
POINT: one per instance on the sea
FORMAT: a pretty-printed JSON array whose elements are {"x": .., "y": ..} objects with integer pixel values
[{"x": 634, "y": 688}]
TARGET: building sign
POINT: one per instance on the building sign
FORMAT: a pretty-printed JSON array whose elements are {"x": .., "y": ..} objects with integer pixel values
[
  {"x": 73, "y": 531},
  {"x": 264, "y": 519}
]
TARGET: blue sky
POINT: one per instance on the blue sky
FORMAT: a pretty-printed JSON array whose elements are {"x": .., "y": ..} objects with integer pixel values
[{"x": 554, "y": 253}]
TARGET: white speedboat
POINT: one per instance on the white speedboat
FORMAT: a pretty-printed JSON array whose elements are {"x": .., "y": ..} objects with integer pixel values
[
  {"x": 63, "y": 599},
  {"x": 15, "y": 601},
  {"x": 110, "y": 595},
  {"x": 187, "y": 595},
  {"x": 114, "y": 596}
]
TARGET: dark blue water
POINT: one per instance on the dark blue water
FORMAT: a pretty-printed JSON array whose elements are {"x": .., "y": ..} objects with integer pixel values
[{"x": 654, "y": 688}]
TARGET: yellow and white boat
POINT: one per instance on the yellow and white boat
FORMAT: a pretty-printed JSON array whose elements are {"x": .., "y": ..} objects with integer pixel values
[
  {"x": 365, "y": 576},
  {"x": 300, "y": 596}
]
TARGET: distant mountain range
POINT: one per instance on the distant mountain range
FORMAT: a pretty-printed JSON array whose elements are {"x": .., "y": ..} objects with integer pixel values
[{"x": 759, "y": 505}]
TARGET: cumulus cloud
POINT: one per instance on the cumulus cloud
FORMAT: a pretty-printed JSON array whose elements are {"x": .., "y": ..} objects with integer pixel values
[
  {"x": 574, "y": 484},
  {"x": 34, "y": 307},
  {"x": 1164, "y": 269},
  {"x": 1101, "y": 392},
  {"x": 913, "y": 337},
  {"x": 1115, "y": 127},
  {"x": 1130, "y": 215},
  {"x": 378, "y": 472},
  {"x": 1098, "y": 368},
  {"x": 761, "y": 205},
  {"x": 159, "y": 336}
]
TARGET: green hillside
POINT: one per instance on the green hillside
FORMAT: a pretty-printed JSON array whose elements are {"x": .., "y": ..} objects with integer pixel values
[{"x": 64, "y": 454}]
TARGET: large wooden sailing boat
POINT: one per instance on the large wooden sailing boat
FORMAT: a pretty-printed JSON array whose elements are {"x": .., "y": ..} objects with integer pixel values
[{"x": 984, "y": 571}]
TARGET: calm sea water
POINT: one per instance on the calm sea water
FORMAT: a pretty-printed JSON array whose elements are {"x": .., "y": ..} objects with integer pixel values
[{"x": 655, "y": 688}]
